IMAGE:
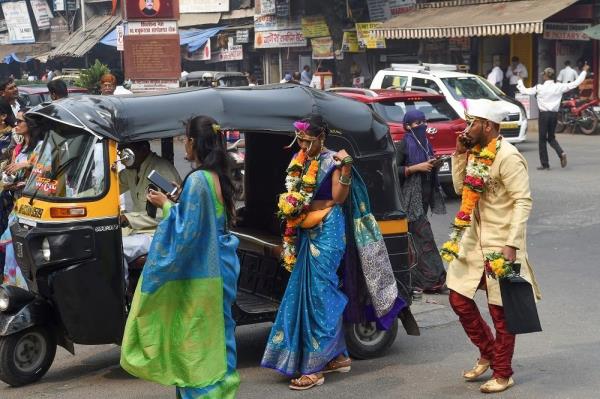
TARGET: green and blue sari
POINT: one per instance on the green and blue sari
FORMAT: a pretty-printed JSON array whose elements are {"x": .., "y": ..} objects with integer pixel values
[{"x": 180, "y": 330}]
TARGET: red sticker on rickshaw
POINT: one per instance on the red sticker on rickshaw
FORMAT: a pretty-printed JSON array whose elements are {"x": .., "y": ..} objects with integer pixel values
[{"x": 45, "y": 185}]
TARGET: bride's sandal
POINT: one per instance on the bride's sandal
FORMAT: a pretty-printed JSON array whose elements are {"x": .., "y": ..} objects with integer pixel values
[
  {"x": 338, "y": 366},
  {"x": 307, "y": 381}
]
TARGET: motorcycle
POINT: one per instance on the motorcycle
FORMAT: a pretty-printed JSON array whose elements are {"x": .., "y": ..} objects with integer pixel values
[{"x": 578, "y": 113}]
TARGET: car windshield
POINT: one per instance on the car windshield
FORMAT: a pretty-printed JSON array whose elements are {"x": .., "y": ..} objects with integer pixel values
[
  {"x": 70, "y": 165},
  {"x": 469, "y": 87},
  {"x": 435, "y": 111}
]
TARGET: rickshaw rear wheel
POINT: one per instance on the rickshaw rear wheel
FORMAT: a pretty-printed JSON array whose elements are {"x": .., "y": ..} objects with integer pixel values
[
  {"x": 26, "y": 356},
  {"x": 365, "y": 341}
]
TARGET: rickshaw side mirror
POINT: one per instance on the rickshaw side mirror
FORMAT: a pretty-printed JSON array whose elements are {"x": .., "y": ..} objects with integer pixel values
[{"x": 126, "y": 157}]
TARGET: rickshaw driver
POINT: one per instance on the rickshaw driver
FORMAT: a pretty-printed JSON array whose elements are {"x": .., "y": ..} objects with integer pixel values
[{"x": 139, "y": 226}]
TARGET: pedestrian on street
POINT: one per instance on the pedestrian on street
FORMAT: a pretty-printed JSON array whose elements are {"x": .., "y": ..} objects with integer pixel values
[
  {"x": 307, "y": 337},
  {"x": 496, "y": 75},
  {"x": 180, "y": 330},
  {"x": 549, "y": 95},
  {"x": 492, "y": 176},
  {"x": 420, "y": 193},
  {"x": 57, "y": 89},
  {"x": 28, "y": 138},
  {"x": 567, "y": 74},
  {"x": 305, "y": 76},
  {"x": 108, "y": 84},
  {"x": 516, "y": 70}
]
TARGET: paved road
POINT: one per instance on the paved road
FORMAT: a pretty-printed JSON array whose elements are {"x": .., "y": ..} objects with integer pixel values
[{"x": 560, "y": 363}]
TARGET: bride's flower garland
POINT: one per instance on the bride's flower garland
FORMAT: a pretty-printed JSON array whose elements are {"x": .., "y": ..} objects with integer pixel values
[
  {"x": 478, "y": 173},
  {"x": 293, "y": 204}
]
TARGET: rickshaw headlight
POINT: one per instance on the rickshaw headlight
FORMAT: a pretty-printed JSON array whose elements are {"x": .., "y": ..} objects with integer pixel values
[
  {"x": 46, "y": 249},
  {"x": 4, "y": 300}
]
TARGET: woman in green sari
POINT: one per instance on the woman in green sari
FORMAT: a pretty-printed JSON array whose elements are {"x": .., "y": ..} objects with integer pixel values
[{"x": 180, "y": 330}]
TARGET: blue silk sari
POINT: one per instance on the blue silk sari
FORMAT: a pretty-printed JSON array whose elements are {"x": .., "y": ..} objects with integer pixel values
[{"x": 307, "y": 332}]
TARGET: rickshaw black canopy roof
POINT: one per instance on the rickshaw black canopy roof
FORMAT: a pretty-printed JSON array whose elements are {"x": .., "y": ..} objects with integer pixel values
[{"x": 271, "y": 108}]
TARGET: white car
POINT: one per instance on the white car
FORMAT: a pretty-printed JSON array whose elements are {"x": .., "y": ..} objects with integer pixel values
[{"x": 455, "y": 86}]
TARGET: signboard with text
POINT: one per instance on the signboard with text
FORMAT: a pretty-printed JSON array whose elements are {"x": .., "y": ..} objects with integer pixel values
[
  {"x": 200, "y": 6},
  {"x": 314, "y": 26},
  {"x": 279, "y": 38},
  {"x": 152, "y": 56},
  {"x": 152, "y": 28},
  {"x": 120, "y": 30},
  {"x": 242, "y": 36},
  {"x": 42, "y": 13},
  {"x": 18, "y": 22},
  {"x": 322, "y": 48},
  {"x": 382, "y": 10},
  {"x": 350, "y": 42},
  {"x": 264, "y": 23},
  {"x": 365, "y": 38},
  {"x": 59, "y": 31},
  {"x": 150, "y": 85},
  {"x": 152, "y": 9},
  {"x": 233, "y": 53},
  {"x": 265, "y": 7},
  {"x": 565, "y": 31}
]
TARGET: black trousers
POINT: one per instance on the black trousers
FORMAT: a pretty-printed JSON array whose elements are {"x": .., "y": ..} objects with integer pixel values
[
  {"x": 512, "y": 91},
  {"x": 547, "y": 126}
]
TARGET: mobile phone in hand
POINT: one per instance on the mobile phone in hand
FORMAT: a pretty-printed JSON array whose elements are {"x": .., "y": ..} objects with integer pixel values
[{"x": 162, "y": 183}]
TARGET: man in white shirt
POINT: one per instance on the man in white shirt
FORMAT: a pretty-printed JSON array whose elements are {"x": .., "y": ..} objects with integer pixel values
[
  {"x": 549, "y": 95},
  {"x": 567, "y": 74},
  {"x": 496, "y": 75},
  {"x": 514, "y": 73}
]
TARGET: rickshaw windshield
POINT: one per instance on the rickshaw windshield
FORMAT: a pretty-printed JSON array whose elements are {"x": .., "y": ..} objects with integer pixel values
[{"x": 71, "y": 165}]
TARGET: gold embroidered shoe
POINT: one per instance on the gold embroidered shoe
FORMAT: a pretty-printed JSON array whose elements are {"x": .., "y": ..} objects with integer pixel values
[
  {"x": 494, "y": 386},
  {"x": 476, "y": 371}
]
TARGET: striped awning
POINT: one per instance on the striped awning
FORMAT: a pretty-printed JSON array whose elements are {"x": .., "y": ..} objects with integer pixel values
[{"x": 469, "y": 18}]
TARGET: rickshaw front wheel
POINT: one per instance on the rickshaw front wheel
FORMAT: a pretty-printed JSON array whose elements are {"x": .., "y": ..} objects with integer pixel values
[
  {"x": 26, "y": 356},
  {"x": 365, "y": 341}
]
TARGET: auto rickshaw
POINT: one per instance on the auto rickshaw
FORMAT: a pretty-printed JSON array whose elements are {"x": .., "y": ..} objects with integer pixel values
[{"x": 67, "y": 237}]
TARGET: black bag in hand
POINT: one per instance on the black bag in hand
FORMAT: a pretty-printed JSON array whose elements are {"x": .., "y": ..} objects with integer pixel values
[{"x": 518, "y": 301}]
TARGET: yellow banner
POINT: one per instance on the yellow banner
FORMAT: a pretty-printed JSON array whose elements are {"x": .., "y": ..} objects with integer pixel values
[
  {"x": 314, "y": 26},
  {"x": 350, "y": 43},
  {"x": 365, "y": 38}
]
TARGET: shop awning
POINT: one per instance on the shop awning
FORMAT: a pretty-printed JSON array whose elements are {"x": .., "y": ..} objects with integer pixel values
[
  {"x": 463, "y": 18},
  {"x": 80, "y": 42},
  {"x": 10, "y": 53},
  {"x": 193, "y": 38}
]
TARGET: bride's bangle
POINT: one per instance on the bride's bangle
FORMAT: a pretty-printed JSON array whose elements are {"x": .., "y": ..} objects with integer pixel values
[{"x": 345, "y": 180}]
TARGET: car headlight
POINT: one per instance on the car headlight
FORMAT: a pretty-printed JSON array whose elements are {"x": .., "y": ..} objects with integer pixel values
[{"x": 4, "y": 300}]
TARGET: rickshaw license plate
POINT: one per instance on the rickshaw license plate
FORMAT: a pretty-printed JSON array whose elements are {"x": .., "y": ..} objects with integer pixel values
[
  {"x": 509, "y": 126},
  {"x": 445, "y": 167}
]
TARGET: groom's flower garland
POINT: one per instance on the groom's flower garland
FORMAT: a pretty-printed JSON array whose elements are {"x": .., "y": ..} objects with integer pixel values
[
  {"x": 293, "y": 204},
  {"x": 478, "y": 173}
]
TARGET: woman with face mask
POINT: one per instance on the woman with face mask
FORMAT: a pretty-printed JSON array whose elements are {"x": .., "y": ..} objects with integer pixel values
[{"x": 421, "y": 193}]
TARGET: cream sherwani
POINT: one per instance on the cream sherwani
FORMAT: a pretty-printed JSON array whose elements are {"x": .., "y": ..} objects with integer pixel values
[{"x": 499, "y": 219}]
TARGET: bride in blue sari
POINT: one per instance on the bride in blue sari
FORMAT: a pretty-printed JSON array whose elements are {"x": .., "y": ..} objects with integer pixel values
[{"x": 307, "y": 337}]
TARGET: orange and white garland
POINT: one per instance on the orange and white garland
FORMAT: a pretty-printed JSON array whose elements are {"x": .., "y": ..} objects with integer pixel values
[
  {"x": 478, "y": 173},
  {"x": 293, "y": 204}
]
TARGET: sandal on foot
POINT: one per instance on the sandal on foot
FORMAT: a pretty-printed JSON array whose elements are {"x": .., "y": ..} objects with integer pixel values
[
  {"x": 306, "y": 382},
  {"x": 338, "y": 366}
]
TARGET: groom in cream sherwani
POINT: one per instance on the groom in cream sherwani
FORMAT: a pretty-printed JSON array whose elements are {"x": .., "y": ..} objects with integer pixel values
[{"x": 498, "y": 224}]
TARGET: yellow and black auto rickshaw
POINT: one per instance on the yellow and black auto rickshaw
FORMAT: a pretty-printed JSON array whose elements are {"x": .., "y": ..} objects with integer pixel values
[{"x": 67, "y": 237}]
